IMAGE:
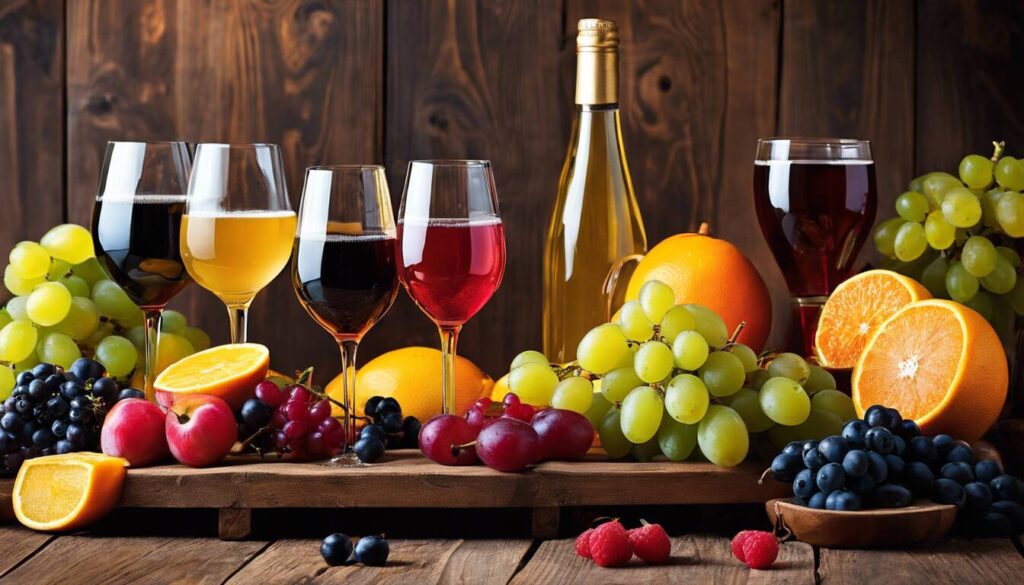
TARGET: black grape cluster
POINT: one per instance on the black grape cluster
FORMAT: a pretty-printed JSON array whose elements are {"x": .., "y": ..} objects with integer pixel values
[{"x": 385, "y": 429}]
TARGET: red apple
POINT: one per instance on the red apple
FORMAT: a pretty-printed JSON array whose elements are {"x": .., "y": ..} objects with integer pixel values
[
  {"x": 201, "y": 429},
  {"x": 134, "y": 429}
]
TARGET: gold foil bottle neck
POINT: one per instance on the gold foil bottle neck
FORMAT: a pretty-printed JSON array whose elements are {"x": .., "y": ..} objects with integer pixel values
[
  {"x": 597, "y": 62},
  {"x": 594, "y": 34}
]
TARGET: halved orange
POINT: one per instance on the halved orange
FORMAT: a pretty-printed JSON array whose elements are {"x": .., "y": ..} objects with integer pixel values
[
  {"x": 855, "y": 310},
  {"x": 939, "y": 363},
  {"x": 65, "y": 492},
  {"x": 229, "y": 372}
]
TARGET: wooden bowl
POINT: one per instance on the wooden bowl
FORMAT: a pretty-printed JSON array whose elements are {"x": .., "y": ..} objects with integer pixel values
[{"x": 920, "y": 522}]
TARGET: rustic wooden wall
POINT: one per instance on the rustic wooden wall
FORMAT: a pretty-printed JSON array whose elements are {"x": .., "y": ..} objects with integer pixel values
[{"x": 376, "y": 81}]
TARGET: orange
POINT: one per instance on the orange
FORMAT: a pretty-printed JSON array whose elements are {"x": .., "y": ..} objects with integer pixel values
[
  {"x": 66, "y": 492},
  {"x": 229, "y": 372},
  {"x": 939, "y": 363},
  {"x": 854, "y": 311},
  {"x": 412, "y": 375},
  {"x": 714, "y": 273}
]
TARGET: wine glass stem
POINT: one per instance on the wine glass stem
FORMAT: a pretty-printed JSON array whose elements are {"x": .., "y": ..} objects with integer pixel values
[
  {"x": 348, "y": 372},
  {"x": 152, "y": 325},
  {"x": 237, "y": 315},
  {"x": 449, "y": 340}
]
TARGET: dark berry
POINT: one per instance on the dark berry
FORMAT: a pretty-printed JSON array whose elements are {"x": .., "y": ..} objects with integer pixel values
[
  {"x": 87, "y": 369},
  {"x": 37, "y": 391},
  {"x": 371, "y": 405},
  {"x": 877, "y": 467},
  {"x": 978, "y": 497},
  {"x": 899, "y": 446},
  {"x": 130, "y": 393},
  {"x": 833, "y": 448},
  {"x": 860, "y": 485},
  {"x": 958, "y": 472},
  {"x": 392, "y": 422},
  {"x": 943, "y": 444},
  {"x": 1004, "y": 487},
  {"x": 256, "y": 413},
  {"x": 909, "y": 429},
  {"x": 375, "y": 431},
  {"x": 41, "y": 371},
  {"x": 947, "y": 491},
  {"x": 785, "y": 466},
  {"x": 794, "y": 448},
  {"x": 59, "y": 428},
  {"x": 919, "y": 478},
  {"x": 372, "y": 551},
  {"x": 817, "y": 501},
  {"x": 57, "y": 406},
  {"x": 24, "y": 378},
  {"x": 995, "y": 525},
  {"x": 80, "y": 402},
  {"x": 387, "y": 405},
  {"x": 411, "y": 432},
  {"x": 105, "y": 388},
  {"x": 43, "y": 438},
  {"x": 962, "y": 453},
  {"x": 79, "y": 415},
  {"x": 11, "y": 422},
  {"x": 23, "y": 406},
  {"x": 813, "y": 459},
  {"x": 894, "y": 468},
  {"x": 336, "y": 549},
  {"x": 879, "y": 440},
  {"x": 369, "y": 450},
  {"x": 830, "y": 478},
  {"x": 1013, "y": 511},
  {"x": 69, "y": 390},
  {"x": 843, "y": 501},
  {"x": 987, "y": 470},
  {"x": 803, "y": 485},
  {"x": 77, "y": 436},
  {"x": 878, "y": 416},
  {"x": 922, "y": 449},
  {"x": 890, "y": 495}
]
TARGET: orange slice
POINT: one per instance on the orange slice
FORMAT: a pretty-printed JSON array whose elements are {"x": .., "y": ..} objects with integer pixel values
[
  {"x": 65, "y": 492},
  {"x": 855, "y": 310},
  {"x": 229, "y": 372},
  {"x": 939, "y": 363}
]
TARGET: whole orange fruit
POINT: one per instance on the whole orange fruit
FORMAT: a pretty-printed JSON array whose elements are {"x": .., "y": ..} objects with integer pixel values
[
  {"x": 714, "y": 273},
  {"x": 412, "y": 375}
]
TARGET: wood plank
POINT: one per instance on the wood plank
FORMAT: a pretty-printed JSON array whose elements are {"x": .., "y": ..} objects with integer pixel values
[
  {"x": 410, "y": 561},
  {"x": 19, "y": 543},
  {"x": 981, "y": 560},
  {"x": 136, "y": 559},
  {"x": 695, "y": 559}
]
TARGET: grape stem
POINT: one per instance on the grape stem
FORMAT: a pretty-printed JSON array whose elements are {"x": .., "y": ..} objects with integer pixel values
[
  {"x": 457, "y": 448},
  {"x": 760, "y": 480},
  {"x": 735, "y": 336},
  {"x": 997, "y": 150},
  {"x": 305, "y": 379}
]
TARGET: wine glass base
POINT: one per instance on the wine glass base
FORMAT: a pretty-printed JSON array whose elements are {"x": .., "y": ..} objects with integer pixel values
[{"x": 347, "y": 459}]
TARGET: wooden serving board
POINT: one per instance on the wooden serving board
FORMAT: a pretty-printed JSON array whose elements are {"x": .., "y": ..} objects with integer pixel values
[{"x": 406, "y": 479}]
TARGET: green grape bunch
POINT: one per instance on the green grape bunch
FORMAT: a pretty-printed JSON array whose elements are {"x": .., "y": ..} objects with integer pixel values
[
  {"x": 960, "y": 235},
  {"x": 66, "y": 307},
  {"x": 668, "y": 379}
]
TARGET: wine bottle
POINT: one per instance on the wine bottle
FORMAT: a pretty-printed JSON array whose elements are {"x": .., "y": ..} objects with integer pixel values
[{"x": 596, "y": 221}]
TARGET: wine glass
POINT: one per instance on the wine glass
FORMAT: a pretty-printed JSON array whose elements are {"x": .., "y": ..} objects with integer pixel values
[
  {"x": 451, "y": 248},
  {"x": 815, "y": 200},
  {"x": 238, "y": 226},
  {"x": 343, "y": 263},
  {"x": 136, "y": 225}
]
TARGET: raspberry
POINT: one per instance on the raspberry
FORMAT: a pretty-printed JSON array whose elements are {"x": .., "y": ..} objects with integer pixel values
[
  {"x": 583, "y": 543},
  {"x": 737, "y": 544},
  {"x": 609, "y": 545},
  {"x": 651, "y": 543},
  {"x": 760, "y": 550}
]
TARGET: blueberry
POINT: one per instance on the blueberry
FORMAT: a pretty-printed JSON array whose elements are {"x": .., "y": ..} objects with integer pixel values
[
  {"x": 877, "y": 467},
  {"x": 87, "y": 369},
  {"x": 37, "y": 391},
  {"x": 895, "y": 420},
  {"x": 899, "y": 446},
  {"x": 392, "y": 422},
  {"x": 817, "y": 501},
  {"x": 369, "y": 450},
  {"x": 978, "y": 496},
  {"x": 24, "y": 378},
  {"x": 943, "y": 444},
  {"x": 57, "y": 406},
  {"x": 411, "y": 432},
  {"x": 9, "y": 404},
  {"x": 894, "y": 468},
  {"x": 808, "y": 446},
  {"x": 794, "y": 500},
  {"x": 23, "y": 406},
  {"x": 69, "y": 390},
  {"x": 78, "y": 436},
  {"x": 909, "y": 429},
  {"x": 11, "y": 422},
  {"x": 860, "y": 485},
  {"x": 387, "y": 405},
  {"x": 41, "y": 371},
  {"x": 803, "y": 485},
  {"x": 1014, "y": 512},
  {"x": 43, "y": 438},
  {"x": 957, "y": 471},
  {"x": 853, "y": 432},
  {"x": 961, "y": 453},
  {"x": 370, "y": 408},
  {"x": 80, "y": 402},
  {"x": 995, "y": 525},
  {"x": 987, "y": 470},
  {"x": 62, "y": 447},
  {"x": 919, "y": 478},
  {"x": 78, "y": 415},
  {"x": 105, "y": 388},
  {"x": 794, "y": 448},
  {"x": 890, "y": 495},
  {"x": 830, "y": 478},
  {"x": 877, "y": 416},
  {"x": 59, "y": 428},
  {"x": 785, "y": 467},
  {"x": 375, "y": 431},
  {"x": 833, "y": 448},
  {"x": 922, "y": 449},
  {"x": 1004, "y": 487},
  {"x": 843, "y": 501},
  {"x": 256, "y": 413},
  {"x": 372, "y": 551},
  {"x": 879, "y": 440},
  {"x": 947, "y": 491},
  {"x": 130, "y": 393},
  {"x": 336, "y": 549}
]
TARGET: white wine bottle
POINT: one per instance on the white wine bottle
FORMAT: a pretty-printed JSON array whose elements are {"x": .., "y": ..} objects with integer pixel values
[{"x": 596, "y": 221}]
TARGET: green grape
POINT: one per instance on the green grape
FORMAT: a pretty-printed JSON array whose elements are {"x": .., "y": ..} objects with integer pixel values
[
  {"x": 653, "y": 362},
  {"x": 961, "y": 207},
  {"x": 722, "y": 436},
  {"x": 137, "y": 335},
  {"x": 29, "y": 260},
  {"x": 641, "y": 414},
  {"x": 18, "y": 285},
  {"x": 835, "y": 402},
  {"x": 118, "y": 355},
  {"x": 757, "y": 378},
  {"x": 936, "y": 185},
  {"x": 527, "y": 357},
  {"x": 574, "y": 393},
  {"x": 17, "y": 308},
  {"x": 106, "y": 328},
  {"x": 634, "y": 321},
  {"x": 59, "y": 269},
  {"x": 676, "y": 439},
  {"x": 69, "y": 242},
  {"x": 28, "y": 363},
  {"x": 17, "y": 340},
  {"x": 976, "y": 171},
  {"x": 59, "y": 349},
  {"x": 5, "y": 317},
  {"x": 917, "y": 184},
  {"x": 616, "y": 384},
  {"x": 982, "y": 304},
  {"x": 6, "y": 382},
  {"x": 1009, "y": 214},
  {"x": 627, "y": 358},
  {"x": 885, "y": 236},
  {"x": 910, "y": 241},
  {"x": 722, "y": 373},
  {"x": 960, "y": 284},
  {"x": 790, "y": 365},
  {"x": 81, "y": 321},
  {"x": 112, "y": 301},
  {"x": 819, "y": 379},
  {"x": 173, "y": 322},
  {"x": 614, "y": 443},
  {"x": 645, "y": 452},
  {"x": 656, "y": 298},
  {"x": 784, "y": 401},
  {"x": 197, "y": 337},
  {"x": 746, "y": 355},
  {"x": 1002, "y": 278},
  {"x": 48, "y": 304},
  {"x": 961, "y": 237},
  {"x": 940, "y": 233},
  {"x": 599, "y": 407},
  {"x": 173, "y": 347},
  {"x": 602, "y": 348},
  {"x": 137, "y": 318},
  {"x": 933, "y": 277},
  {"x": 90, "y": 271},
  {"x": 687, "y": 399},
  {"x": 989, "y": 201},
  {"x": 675, "y": 321},
  {"x": 1016, "y": 297},
  {"x": 75, "y": 285},
  {"x": 532, "y": 382},
  {"x": 747, "y": 405},
  {"x": 912, "y": 206},
  {"x": 690, "y": 350},
  {"x": 709, "y": 325},
  {"x": 979, "y": 256},
  {"x": 1009, "y": 173},
  {"x": 1010, "y": 255},
  {"x": 819, "y": 424}
]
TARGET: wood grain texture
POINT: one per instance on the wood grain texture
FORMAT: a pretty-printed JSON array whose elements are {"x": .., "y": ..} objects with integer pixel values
[
  {"x": 410, "y": 561},
  {"x": 981, "y": 560},
  {"x": 695, "y": 559},
  {"x": 19, "y": 543}
]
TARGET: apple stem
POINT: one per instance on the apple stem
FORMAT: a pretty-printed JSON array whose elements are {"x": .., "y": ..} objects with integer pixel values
[{"x": 182, "y": 418}]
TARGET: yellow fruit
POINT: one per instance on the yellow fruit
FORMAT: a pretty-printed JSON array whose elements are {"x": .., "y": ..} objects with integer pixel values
[
  {"x": 412, "y": 375},
  {"x": 229, "y": 372},
  {"x": 500, "y": 389},
  {"x": 66, "y": 492}
]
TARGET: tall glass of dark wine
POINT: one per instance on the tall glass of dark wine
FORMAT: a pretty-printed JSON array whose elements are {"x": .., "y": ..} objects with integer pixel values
[
  {"x": 344, "y": 266},
  {"x": 136, "y": 227},
  {"x": 815, "y": 200}
]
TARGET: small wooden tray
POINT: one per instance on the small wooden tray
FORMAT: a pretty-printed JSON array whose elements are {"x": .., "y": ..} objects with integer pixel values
[{"x": 920, "y": 522}]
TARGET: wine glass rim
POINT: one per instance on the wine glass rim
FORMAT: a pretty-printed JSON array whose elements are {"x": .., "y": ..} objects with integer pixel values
[
  {"x": 814, "y": 140},
  {"x": 244, "y": 145},
  {"x": 346, "y": 167},
  {"x": 148, "y": 142},
  {"x": 452, "y": 162}
]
